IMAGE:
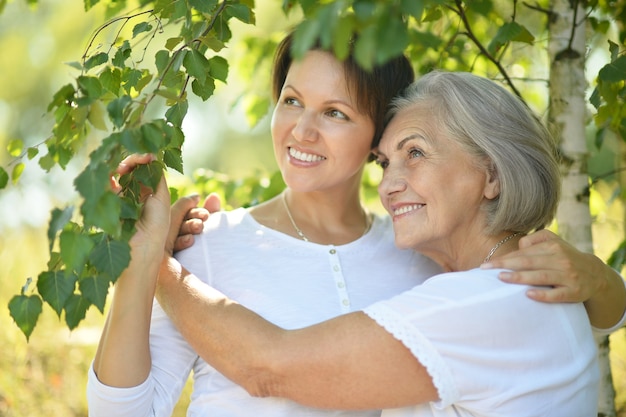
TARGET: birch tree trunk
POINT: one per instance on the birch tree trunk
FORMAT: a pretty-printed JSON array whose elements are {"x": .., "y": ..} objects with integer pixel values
[{"x": 567, "y": 119}]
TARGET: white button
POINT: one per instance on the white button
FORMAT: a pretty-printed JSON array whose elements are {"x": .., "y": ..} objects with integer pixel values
[
  {"x": 336, "y": 268},
  {"x": 346, "y": 302},
  {"x": 341, "y": 284},
  {"x": 333, "y": 251}
]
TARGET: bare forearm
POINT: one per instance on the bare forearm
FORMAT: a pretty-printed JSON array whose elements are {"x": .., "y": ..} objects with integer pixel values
[
  {"x": 123, "y": 355},
  {"x": 607, "y": 306}
]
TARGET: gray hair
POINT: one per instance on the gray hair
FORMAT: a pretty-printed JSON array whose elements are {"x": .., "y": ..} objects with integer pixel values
[{"x": 494, "y": 125}]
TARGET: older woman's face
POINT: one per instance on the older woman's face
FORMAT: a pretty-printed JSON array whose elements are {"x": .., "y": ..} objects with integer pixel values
[{"x": 431, "y": 187}]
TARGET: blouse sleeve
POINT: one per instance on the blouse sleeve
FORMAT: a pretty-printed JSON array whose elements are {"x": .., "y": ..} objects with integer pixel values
[
  {"x": 476, "y": 337},
  {"x": 172, "y": 360}
]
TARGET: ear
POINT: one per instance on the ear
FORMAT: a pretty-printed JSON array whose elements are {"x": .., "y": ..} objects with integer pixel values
[{"x": 492, "y": 182}]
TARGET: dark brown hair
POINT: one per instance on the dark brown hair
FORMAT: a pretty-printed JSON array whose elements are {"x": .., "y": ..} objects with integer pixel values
[{"x": 372, "y": 90}]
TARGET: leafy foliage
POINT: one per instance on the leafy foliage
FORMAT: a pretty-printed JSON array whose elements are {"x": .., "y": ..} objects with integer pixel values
[{"x": 118, "y": 87}]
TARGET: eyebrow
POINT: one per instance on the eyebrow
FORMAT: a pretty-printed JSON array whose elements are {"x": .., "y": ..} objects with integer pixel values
[
  {"x": 401, "y": 144},
  {"x": 329, "y": 102}
]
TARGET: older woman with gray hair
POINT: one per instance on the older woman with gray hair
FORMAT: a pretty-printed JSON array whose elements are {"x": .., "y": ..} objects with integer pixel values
[{"x": 468, "y": 170}]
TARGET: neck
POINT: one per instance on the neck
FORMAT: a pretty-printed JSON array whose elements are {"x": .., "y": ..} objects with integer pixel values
[
  {"x": 325, "y": 219},
  {"x": 469, "y": 251}
]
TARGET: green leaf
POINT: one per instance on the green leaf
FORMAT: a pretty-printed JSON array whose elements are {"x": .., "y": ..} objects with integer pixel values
[
  {"x": 103, "y": 213},
  {"x": 218, "y": 68},
  {"x": 175, "y": 137},
  {"x": 90, "y": 87},
  {"x": 96, "y": 60},
  {"x": 63, "y": 96},
  {"x": 17, "y": 172},
  {"x": 97, "y": 116},
  {"x": 76, "y": 65},
  {"x": 134, "y": 141},
  {"x": 130, "y": 78},
  {"x": 365, "y": 48},
  {"x": 256, "y": 108},
  {"x": 111, "y": 257},
  {"x": 149, "y": 174},
  {"x": 55, "y": 287},
  {"x": 95, "y": 289},
  {"x": 75, "y": 310},
  {"x": 173, "y": 158},
  {"x": 305, "y": 37},
  {"x": 614, "y": 50},
  {"x": 32, "y": 152},
  {"x": 212, "y": 42},
  {"x": 145, "y": 79},
  {"x": 509, "y": 32},
  {"x": 93, "y": 182},
  {"x": 177, "y": 112},
  {"x": 617, "y": 260},
  {"x": 15, "y": 147},
  {"x": 414, "y": 8},
  {"x": 614, "y": 71},
  {"x": 111, "y": 80},
  {"x": 203, "y": 90},
  {"x": 171, "y": 43},
  {"x": 122, "y": 54},
  {"x": 161, "y": 59},
  {"x": 90, "y": 3},
  {"x": 4, "y": 178},
  {"x": 364, "y": 9},
  {"x": 75, "y": 248},
  {"x": 153, "y": 136},
  {"x": 197, "y": 65},
  {"x": 240, "y": 12},
  {"x": 116, "y": 109},
  {"x": 204, "y": 6},
  {"x": 141, "y": 28},
  {"x": 25, "y": 310},
  {"x": 342, "y": 36},
  {"x": 58, "y": 220},
  {"x": 392, "y": 34}
]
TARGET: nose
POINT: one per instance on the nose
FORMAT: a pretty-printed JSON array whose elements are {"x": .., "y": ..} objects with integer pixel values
[
  {"x": 306, "y": 128},
  {"x": 393, "y": 181}
]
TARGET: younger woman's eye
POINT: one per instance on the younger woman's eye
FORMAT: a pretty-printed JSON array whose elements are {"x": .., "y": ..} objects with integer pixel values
[
  {"x": 337, "y": 114},
  {"x": 291, "y": 101}
]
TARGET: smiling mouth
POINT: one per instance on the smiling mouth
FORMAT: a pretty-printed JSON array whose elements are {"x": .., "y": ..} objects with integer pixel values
[
  {"x": 407, "y": 209},
  {"x": 304, "y": 157}
]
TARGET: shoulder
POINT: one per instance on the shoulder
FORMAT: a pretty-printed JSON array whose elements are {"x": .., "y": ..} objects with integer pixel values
[{"x": 226, "y": 219}]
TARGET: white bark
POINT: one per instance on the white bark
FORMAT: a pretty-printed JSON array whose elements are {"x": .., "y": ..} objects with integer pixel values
[{"x": 567, "y": 121}]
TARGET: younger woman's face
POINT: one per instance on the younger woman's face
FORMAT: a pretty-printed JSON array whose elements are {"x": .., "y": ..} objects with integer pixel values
[{"x": 321, "y": 139}]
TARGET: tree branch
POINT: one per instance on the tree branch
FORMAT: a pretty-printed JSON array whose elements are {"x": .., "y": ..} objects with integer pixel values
[{"x": 470, "y": 34}]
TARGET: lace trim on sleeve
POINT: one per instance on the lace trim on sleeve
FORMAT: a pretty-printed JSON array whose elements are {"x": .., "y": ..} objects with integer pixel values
[{"x": 420, "y": 347}]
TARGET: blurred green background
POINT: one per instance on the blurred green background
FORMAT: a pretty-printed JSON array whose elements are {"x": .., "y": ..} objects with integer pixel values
[{"x": 47, "y": 376}]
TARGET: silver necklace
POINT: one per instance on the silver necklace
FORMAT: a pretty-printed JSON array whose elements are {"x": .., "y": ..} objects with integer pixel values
[
  {"x": 500, "y": 243},
  {"x": 295, "y": 226},
  {"x": 301, "y": 233}
]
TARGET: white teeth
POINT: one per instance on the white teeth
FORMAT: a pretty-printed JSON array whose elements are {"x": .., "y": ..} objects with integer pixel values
[
  {"x": 305, "y": 157},
  {"x": 406, "y": 209}
]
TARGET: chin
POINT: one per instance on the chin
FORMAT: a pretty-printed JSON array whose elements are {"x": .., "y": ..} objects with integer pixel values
[{"x": 403, "y": 243}]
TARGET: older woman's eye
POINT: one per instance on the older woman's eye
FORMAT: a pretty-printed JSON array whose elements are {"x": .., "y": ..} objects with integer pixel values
[
  {"x": 383, "y": 163},
  {"x": 415, "y": 153}
]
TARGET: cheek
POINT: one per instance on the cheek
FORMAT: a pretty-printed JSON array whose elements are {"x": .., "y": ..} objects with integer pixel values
[{"x": 280, "y": 123}]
